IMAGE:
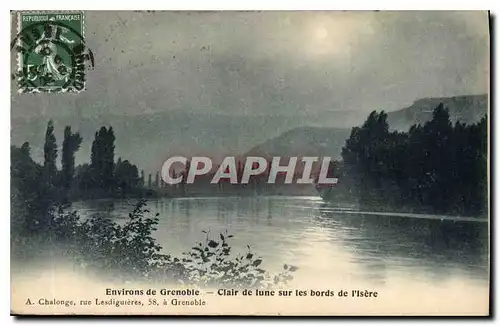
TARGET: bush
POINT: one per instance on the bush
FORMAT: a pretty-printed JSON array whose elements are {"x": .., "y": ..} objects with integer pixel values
[
  {"x": 130, "y": 252},
  {"x": 210, "y": 264}
]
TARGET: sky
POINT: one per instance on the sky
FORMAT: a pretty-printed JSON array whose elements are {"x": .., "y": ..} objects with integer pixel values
[{"x": 272, "y": 63}]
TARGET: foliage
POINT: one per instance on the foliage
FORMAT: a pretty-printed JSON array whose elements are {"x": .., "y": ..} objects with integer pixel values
[
  {"x": 130, "y": 251},
  {"x": 127, "y": 251},
  {"x": 435, "y": 167},
  {"x": 50, "y": 154},
  {"x": 71, "y": 144},
  {"x": 37, "y": 189},
  {"x": 102, "y": 159},
  {"x": 32, "y": 198},
  {"x": 102, "y": 244},
  {"x": 126, "y": 175},
  {"x": 210, "y": 263}
]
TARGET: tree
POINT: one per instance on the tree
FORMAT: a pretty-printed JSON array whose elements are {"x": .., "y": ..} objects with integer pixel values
[
  {"x": 71, "y": 144},
  {"x": 431, "y": 163},
  {"x": 102, "y": 159},
  {"x": 126, "y": 175},
  {"x": 83, "y": 180},
  {"x": 142, "y": 179},
  {"x": 32, "y": 198},
  {"x": 24, "y": 172},
  {"x": 50, "y": 155},
  {"x": 364, "y": 155},
  {"x": 434, "y": 167}
]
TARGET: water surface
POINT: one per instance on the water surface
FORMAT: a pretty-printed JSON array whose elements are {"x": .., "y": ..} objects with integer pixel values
[{"x": 328, "y": 242}]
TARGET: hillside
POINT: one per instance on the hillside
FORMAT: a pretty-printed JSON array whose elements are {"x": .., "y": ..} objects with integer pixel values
[
  {"x": 469, "y": 109},
  {"x": 304, "y": 141},
  {"x": 314, "y": 141}
]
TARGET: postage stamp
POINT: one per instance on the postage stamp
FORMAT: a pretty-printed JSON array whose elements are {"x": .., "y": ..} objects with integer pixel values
[{"x": 51, "y": 52}]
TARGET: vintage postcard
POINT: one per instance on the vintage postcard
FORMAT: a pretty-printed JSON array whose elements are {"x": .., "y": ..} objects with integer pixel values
[{"x": 257, "y": 163}]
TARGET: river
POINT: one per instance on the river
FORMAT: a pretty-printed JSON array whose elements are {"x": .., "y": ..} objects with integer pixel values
[
  {"x": 417, "y": 264},
  {"x": 326, "y": 241}
]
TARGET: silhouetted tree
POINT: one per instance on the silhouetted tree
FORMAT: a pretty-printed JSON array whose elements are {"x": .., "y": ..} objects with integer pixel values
[
  {"x": 364, "y": 155},
  {"x": 71, "y": 144},
  {"x": 32, "y": 198},
  {"x": 102, "y": 159},
  {"x": 126, "y": 175},
  {"x": 434, "y": 167},
  {"x": 83, "y": 180},
  {"x": 50, "y": 154}
]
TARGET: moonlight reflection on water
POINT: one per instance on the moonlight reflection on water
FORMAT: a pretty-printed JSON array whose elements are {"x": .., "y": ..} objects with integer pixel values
[{"x": 329, "y": 242}]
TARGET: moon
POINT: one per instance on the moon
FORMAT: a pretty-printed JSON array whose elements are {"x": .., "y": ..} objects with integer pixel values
[
  {"x": 321, "y": 33},
  {"x": 322, "y": 40},
  {"x": 326, "y": 37}
]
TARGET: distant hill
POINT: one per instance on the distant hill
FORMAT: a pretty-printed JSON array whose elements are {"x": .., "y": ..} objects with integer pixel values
[
  {"x": 469, "y": 109},
  {"x": 304, "y": 141},
  {"x": 313, "y": 141}
]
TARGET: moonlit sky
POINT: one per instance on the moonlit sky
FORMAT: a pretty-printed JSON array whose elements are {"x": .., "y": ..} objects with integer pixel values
[{"x": 277, "y": 63}]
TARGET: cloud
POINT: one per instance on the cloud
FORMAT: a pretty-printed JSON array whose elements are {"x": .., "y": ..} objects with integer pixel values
[{"x": 279, "y": 63}]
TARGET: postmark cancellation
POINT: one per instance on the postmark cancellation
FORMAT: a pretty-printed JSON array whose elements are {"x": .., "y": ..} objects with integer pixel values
[{"x": 51, "y": 54}]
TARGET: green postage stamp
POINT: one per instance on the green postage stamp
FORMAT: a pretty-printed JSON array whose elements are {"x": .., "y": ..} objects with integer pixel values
[{"x": 50, "y": 50}]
